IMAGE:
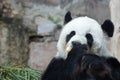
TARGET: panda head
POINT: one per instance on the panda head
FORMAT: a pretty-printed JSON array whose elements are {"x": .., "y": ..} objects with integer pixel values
[
  {"x": 76, "y": 38},
  {"x": 84, "y": 30}
]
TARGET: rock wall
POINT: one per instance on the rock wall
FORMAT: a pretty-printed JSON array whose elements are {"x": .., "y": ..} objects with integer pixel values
[
  {"x": 39, "y": 13},
  {"x": 115, "y": 16},
  {"x": 96, "y": 9},
  {"x": 4, "y": 55},
  {"x": 36, "y": 10},
  {"x": 13, "y": 44}
]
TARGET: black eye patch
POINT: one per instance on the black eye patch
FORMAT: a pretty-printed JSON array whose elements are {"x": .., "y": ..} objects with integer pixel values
[
  {"x": 89, "y": 39},
  {"x": 69, "y": 36}
]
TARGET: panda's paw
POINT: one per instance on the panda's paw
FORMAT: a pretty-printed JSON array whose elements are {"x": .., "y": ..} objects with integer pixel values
[
  {"x": 92, "y": 62},
  {"x": 79, "y": 48},
  {"x": 98, "y": 67},
  {"x": 113, "y": 62},
  {"x": 101, "y": 70}
]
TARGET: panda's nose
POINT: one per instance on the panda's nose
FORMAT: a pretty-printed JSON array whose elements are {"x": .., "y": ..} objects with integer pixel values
[
  {"x": 78, "y": 45},
  {"x": 75, "y": 43}
]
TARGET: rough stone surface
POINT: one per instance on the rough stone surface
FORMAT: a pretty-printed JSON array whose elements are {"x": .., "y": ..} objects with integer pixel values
[
  {"x": 115, "y": 16},
  {"x": 13, "y": 44},
  {"x": 36, "y": 11},
  {"x": 3, "y": 46},
  {"x": 96, "y": 9},
  {"x": 41, "y": 54},
  {"x": 46, "y": 28},
  {"x": 32, "y": 9}
]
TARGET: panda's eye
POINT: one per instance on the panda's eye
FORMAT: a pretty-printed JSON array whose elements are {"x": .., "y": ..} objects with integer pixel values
[
  {"x": 89, "y": 39},
  {"x": 69, "y": 36}
]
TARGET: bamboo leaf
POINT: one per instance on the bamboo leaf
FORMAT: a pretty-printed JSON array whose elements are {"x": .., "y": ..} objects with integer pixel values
[{"x": 18, "y": 73}]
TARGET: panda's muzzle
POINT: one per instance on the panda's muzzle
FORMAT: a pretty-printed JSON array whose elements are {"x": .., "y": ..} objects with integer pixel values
[{"x": 76, "y": 46}]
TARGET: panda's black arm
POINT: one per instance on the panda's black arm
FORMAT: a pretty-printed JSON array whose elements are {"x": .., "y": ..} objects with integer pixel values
[
  {"x": 115, "y": 66},
  {"x": 113, "y": 62},
  {"x": 59, "y": 69},
  {"x": 53, "y": 70}
]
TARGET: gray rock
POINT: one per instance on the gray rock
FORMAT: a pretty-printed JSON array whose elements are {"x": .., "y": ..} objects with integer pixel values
[
  {"x": 34, "y": 14},
  {"x": 46, "y": 28},
  {"x": 13, "y": 44},
  {"x": 53, "y": 2},
  {"x": 96, "y": 9},
  {"x": 41, "y": 54},
  {"x": 29, "y": 23}
]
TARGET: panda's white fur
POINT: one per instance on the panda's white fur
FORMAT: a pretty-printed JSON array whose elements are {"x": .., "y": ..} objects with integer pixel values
[{"x": 81, "y": 26}]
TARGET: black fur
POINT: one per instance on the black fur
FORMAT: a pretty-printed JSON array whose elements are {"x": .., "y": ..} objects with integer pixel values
[
  {"x": 69, "y": 36},
  {"x": 108, "y": 27},
  {"x": 89, "y": 39},
  {"x": 81, "y": 65},
  {"x": 67, "y": 17},
  {"x": 53, "y": 71},
  {"x": 95, "y": 67},
  {"x": 60, "y": 69},
  {"x": 115, "y": 67}
]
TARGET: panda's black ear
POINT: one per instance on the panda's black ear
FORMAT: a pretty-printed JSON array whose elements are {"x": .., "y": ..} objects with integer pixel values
[
  {"x": 108, "y": 28},
  {"x": 67, "y": 17}
]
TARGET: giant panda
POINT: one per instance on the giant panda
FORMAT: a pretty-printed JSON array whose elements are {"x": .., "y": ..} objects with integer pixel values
[
  {"x": 87, "y": 31},
  {"x": 75, "y": 59},
  {"x": 82, "y": 65}
]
